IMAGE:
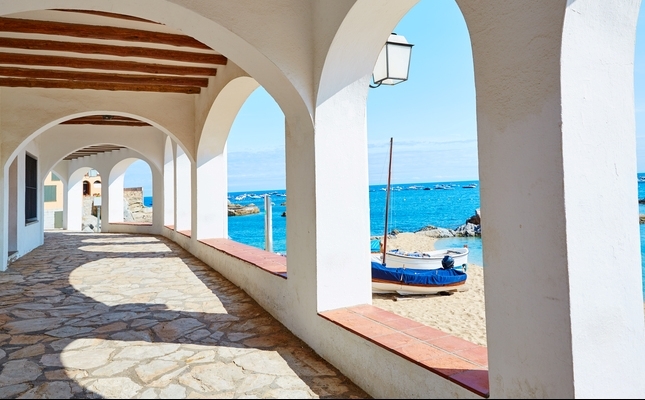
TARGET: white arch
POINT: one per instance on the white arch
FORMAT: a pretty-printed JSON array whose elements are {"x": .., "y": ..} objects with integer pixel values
[
  {"x": 62, "y": 140},
  {"x": 285, "y": 73},
  {"x": 211, "y": 217},
  {"x": 357, "y": 42},
  {"x": 115, "y": 189}
]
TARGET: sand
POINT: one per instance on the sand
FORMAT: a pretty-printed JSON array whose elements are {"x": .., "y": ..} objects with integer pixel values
[{"x": 460, "y": 314}]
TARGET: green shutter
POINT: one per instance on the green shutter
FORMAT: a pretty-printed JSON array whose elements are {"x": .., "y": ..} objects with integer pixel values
[
  {"x": 50, "y": 193},
  {"x": 55, "y": 177}
]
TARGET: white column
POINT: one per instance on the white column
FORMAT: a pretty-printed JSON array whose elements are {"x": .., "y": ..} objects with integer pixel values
[
  {"x": 4, "y": 220},
  {"x": 158, "y": 199},
  {"x": 12, "y": 221},
  {"x": 65, "y": 203},
  {"x": 8, "y": 212},
  {"x": 328, "y": 245},
  {"x": 211, "y": 191},
  {"x": 74, "y": 204},
  {"x": 564, "y": 307},
  {"x": 114, "y": 201},
  {"x": 184, "y": 191},
  {"x": 169, "y": 184}
]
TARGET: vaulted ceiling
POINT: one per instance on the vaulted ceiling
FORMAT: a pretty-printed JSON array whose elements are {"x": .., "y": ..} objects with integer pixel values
[{"x": 73, "y": 49}]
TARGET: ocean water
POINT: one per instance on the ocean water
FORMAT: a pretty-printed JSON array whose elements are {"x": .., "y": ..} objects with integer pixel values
[{"x": 412, "y": 207}]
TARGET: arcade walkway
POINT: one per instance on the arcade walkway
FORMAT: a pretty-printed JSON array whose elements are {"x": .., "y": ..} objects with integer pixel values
[{"x": 136, "y": 316}]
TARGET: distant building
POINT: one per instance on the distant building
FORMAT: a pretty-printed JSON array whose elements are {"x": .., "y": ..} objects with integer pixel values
[{"x": 53, "y": 198}]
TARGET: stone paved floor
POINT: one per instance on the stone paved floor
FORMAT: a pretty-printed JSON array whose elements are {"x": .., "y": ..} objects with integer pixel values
[{"x": 136, "y": 316}]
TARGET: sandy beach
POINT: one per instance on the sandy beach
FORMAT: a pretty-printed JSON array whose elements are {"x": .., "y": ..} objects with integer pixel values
[{"x": 461, "y": 314}]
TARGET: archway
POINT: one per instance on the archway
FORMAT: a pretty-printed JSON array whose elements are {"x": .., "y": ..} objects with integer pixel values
[
  {"x": 138, "y": 193},
  {"x": 256, "y": 168},
  {"x": 434, "y": 152}
]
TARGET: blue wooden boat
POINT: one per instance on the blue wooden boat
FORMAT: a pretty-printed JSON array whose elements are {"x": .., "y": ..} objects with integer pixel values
[{"x": 407, "y": 281}]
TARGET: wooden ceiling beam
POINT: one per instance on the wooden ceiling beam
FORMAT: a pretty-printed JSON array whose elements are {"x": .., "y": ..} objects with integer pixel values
[
  {"x": 120, "y": 51},
  {"x": 112, "y": 123},
  {"x": 61, "y": 84},
  {"x": 106, "y": 14},
  {"x": 88, "y": 63},
  {"x": 99, "y": 77},
  {"x": 96, "y": 32},
  {"x": 105, "y": 120},
  {"x": 104, "y": 117}
]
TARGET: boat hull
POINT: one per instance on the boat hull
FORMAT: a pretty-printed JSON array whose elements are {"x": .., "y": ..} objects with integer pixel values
[
  {"x": 416, "y": 281},
  {"x": 406, "y": 290},
  {"x": 426, "y": 259}
]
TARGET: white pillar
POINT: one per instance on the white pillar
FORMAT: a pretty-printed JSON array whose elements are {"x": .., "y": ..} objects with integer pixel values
[
  {"x": 211, "y": 193},
  {"x": 183, "y": 190},
  {"x": 114, "y": 198},
  {"x": 328, "y": 245},
  {"x": 8, "y": 212},
  {"x": 158, "y": 199},
  {"x": 12, "y": 221},
  {"x": 74, "y": 203},
  {"x": 169, "y": 184},
  {"x": 65, "y": 203},
  {"x": 564, "y": 307},
  {"x": 4, "y": 219}
]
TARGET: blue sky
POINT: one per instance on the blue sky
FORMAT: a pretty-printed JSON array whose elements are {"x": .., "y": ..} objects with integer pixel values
[{"x": 431, "y": 116}]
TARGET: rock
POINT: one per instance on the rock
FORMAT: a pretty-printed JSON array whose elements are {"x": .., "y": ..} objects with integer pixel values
[
  {"x": 641, "y": 219},
  {"x": 468, "y": 230},
  {"x": 133, "y": 208},
  {"x": 472, "y": 227},
  {"x": 475, "y": 219},
  {"x": 437, "y": 232},
  {"x": 427, "y": 228},
  {"x": 284, "y": 214},
  {"x": 238, "y": 209}
]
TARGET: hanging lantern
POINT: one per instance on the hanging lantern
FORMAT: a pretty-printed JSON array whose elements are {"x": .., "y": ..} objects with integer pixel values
[{"x": 393, "y": 63}]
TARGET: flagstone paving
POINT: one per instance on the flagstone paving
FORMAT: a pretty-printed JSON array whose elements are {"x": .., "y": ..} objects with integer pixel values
[{"x": 136, "y": 316}]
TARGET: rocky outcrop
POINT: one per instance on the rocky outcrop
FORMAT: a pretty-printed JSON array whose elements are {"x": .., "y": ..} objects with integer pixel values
[
  {"x": 235, "y": 210},
  {"x": 472, "y": 227},
  {"x": 133, "y": 208},
  {"x": 435, "y": 232}
]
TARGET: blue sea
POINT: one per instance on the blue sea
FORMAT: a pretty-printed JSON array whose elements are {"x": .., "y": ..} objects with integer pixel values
[{"x": 412, "y": 207}]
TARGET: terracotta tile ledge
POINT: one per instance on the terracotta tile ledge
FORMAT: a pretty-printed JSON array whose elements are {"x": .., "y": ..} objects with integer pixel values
[
  {"x": 273, "y": 263},
  {"x": 455, "y": 359}
]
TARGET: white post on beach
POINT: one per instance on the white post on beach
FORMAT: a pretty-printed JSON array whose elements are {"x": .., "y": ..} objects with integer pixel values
[{"x": 268, "y": 222}]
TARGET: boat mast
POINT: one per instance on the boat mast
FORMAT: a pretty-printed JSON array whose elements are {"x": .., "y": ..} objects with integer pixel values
[{"x": 387, "y": 202}]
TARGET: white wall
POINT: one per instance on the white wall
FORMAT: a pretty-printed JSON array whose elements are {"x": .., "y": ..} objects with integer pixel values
[{"x": 30, "y": 235}]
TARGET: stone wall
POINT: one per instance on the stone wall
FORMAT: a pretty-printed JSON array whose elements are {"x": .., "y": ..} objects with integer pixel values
[{"x": 133, "y": 208}]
